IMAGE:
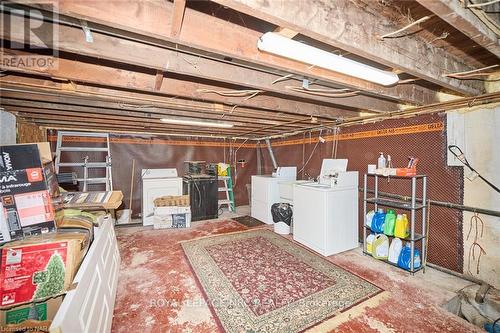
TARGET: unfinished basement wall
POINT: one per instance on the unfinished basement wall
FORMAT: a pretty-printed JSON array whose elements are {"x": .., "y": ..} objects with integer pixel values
[
  {"x": 152, "y": 152},
  {"x": 29, "y": 132},
  {"x": 423, "y": 137},
  {"x": 481, "y": 137},
  {"x": 7, "y": 128}
]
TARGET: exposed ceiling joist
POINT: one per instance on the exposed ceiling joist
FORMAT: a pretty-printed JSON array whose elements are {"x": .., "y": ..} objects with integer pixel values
[
  {"x": 218, "y": 37},
  {"x": 84, "y": 111},
  {"x": 177, "y": 17},
  {"x": 154, "y": 57},
  {"x": 120, "y": 124},
  {"x": 464, "y": 20},
  {"x": 108, "y": 99},
  {"x": 344, "y": 25},
  {"x": 70, "y": 117},
  {"x": 13, "y": 101},
  {"x": 286, "y": 32},
  {"x": 180, "y": 92}
]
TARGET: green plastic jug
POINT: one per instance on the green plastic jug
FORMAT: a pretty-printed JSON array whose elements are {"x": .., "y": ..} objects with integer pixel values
[
  {"x": 402, "y": 228},
  {"x": 389, "y": 223}
]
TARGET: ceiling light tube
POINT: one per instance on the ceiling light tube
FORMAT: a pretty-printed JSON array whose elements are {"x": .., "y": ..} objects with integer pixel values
[
  {"x": 285, "y": 47},
  {"x": 200, "y": 123}
]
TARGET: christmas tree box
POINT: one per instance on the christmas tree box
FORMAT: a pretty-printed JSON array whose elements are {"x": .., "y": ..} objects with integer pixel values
[
  {"x": 40, "y": 267},
  {"x": 28, "y": 186},
  {"x": 30, "y": 317}
]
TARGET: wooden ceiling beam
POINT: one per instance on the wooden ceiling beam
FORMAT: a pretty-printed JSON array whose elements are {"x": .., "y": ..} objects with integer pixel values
[
  {"x": 15, "y": 104},
  {"x": 129, "y": 131},
  {"x": 173, "y": 87},
  {"x": 207, "y": 34},
  {"x": 342, "y": 24},
  {"x": 128, "y": 52},
  {"x": 81, "y": 94},
  {"x": 146, "y": 125},
  {"x": 464, "y": 20},
  {"x": 177, "y": 17}
]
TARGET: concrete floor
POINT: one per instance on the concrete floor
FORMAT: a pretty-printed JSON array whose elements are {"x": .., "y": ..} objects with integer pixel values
[{"x": 157, "y": 291}]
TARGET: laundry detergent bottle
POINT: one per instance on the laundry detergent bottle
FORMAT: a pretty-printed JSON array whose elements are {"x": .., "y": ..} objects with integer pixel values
[
  {"x": 369, "y": 218},
  {"x": 405, "y": 258},
  {"x": 378, "y": 222},
  {"x": 402, "y": 227},
  {"x": 380, "y": 248},
  {"x": 395, "y": 250},
  {"x": 389, "y": 222},
  {"x": 369, "y": 243}
]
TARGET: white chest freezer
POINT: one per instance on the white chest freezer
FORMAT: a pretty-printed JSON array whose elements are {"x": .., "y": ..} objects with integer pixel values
[{"x": 157, "y": 183}]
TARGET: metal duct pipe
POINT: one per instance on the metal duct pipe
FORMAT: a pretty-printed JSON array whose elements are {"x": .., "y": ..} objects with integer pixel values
[
  {"x": 273, "y": 159},
  {"x": 259, "y": 159}
]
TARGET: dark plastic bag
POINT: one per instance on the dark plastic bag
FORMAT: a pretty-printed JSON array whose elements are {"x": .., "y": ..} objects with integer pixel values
[{"x": 282, "y": 212}]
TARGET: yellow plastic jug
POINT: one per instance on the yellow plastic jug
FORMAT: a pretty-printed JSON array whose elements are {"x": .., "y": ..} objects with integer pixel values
[
  {"x": 402, "y": 228},
  {"x": 369, "y": 243},
  {"x": 380, "y": 247}
]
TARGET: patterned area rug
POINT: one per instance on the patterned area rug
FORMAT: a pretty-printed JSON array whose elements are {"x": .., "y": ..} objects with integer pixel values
[{"x": 258, "y": 281}]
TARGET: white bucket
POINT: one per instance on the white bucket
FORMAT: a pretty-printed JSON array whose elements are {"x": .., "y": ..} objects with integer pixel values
[
  {"x": 123, "y": 216},
  {"x": 281, "y": 228}
]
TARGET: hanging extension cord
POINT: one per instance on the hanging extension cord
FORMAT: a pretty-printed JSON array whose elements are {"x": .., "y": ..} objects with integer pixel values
[{"x": 455, "y": 150}]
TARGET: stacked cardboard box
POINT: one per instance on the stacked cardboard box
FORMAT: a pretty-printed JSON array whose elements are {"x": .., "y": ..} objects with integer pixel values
[
  {"x": 33, "y": 317},
  {"x": 172, "y": 212},
  {"x": 42, "y": 242},
  {"x": 27, "y": 188},
  {"x": 40, "y": 266}
]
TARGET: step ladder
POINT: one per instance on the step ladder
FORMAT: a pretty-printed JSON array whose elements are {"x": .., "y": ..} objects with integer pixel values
[
  {"x": 228, "y": 189},
  {"x": 86, "y": 164}
]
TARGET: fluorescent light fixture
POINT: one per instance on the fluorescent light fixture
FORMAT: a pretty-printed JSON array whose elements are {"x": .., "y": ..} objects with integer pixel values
[
  {"x": 285, "y": 47},
  {"x": 200, "y": 123}
]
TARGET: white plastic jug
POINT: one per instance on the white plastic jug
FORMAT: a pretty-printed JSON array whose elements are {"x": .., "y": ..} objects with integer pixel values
[
  {"x": 395, "y": 250},
  {"x": 369, "y": 218}
]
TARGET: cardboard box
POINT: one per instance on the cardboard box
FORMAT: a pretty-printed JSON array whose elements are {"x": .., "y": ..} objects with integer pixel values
[
  {"x": 171, "y": 217},
  {"x": 169, "y": 210},
  {"x": 27, "y": 187},
  {"x": 71, "y": 220},
  {"x": 16, "y": 318},
  {"x": 40, "y": 266},
  {"x": 172, "y": 200},
  {"x": 4, "y": 226}
]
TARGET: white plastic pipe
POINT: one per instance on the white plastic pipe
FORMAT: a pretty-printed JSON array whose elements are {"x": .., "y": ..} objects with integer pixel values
[{"x": 282, "y": 46}]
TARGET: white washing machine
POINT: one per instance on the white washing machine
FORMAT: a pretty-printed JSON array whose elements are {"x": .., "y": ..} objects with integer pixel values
[
  {"x": 157, "y": 183},
  {"x": 325, "y": 215}
]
